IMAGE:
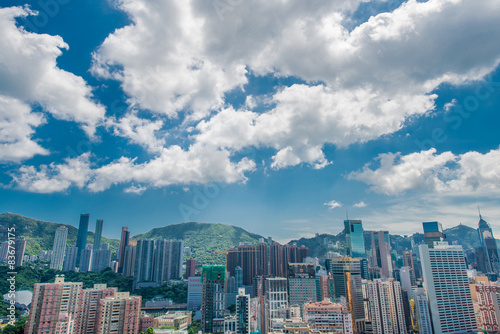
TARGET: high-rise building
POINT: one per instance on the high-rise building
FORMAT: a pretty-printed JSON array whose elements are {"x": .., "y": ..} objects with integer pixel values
[
  {"x": 276, "y": 260},
  {"x": 19, "y": 246},
  {"x": 86, "y": 258},
  {"x": 101, "y": 258},
  {"x": 354, "y": 238},
  {"x": 144, "y": 261},
  {"x": 168, "y": 260},
  {"x": 70, "y": 258},
  {"x": 123, "y": 243},
  {"x": 213, "y": 303},
  {"x": 381, "y": 252},
  {"x": 51, "y": 301},
  {"x": 347, "y": 281},
  {"x": 59, "y": 248},
  {"x": 238, "y": 275},
  {"x": 489, "y": 245},
  {"x": 242, "y": 312},
  {"x": 119, "y": 314},
  {"x": 405, "y": 279},
  {"x": 276, "y": 296},
  {"x": 424, "y": 323},
  {"x": 447, "y": 287},
  {"x": 190, "y": 268},
  {"x": 129, "y": 260},
  {"x": 433, "y": 232},
  {"x": 4, "y": 251},
  {"x": 195, "y": 293},
  {"x": 301, "y": 283},
  {"x": 409, "y": 262},
  {"x": 262, "y": 259},
  {"x": 485, "y": 296},
  {"x": 89, "y": 304},
  {"x": 327, "y": 317},
  {"x": 386, "y": 307},
  {"x": 98, "y": 234},
  {"x": 81, "y": 240}
]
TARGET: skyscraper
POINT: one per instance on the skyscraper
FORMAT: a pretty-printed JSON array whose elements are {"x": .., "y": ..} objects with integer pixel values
[
  {"x": 381, "y": 252},
  {"x": 86, "y": 258},
  {"x": 276, "y": 260},
  {"x": 144, "y": 261},
  {"x": 119, "y": 314},
  {"x": 168, "y": 260},
  {"x": 70, "y": 258},
  {"x": 129, "y": 260},
  {"x": 262, "y": 259},
  {"x": 98, "y": 234},
  {"x": 242, "y": 312},
  {"x": 87, "y": 315},
  {"x": 213, "y": 303},
  {"x": 301, "y": 283},
  {"x": 123, "y": 243},
  {"x": 19, "y": 246},
  {"x": 276, "y": 295},
  {"x": 489, "y": 245},
  {"x": 386, "y": 307},
  {"x": 190, "y": 268},
  {"x": 81, "y": 240},
  {"x": 422, "y": 310},
  {"x": 354, "y": 238},
  {"x": 59, "y": 248},
  {"x": 101, "y": 258},
  {"x": 447, "y": 287},
  {"x": 433, "y": 232}
]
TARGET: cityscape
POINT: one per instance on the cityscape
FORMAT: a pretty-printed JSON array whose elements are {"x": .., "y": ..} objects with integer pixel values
[{"x": 431, "y": 287}]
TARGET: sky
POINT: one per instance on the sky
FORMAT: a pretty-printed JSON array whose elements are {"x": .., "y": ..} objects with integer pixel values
[{"x": 282, "y": 117}]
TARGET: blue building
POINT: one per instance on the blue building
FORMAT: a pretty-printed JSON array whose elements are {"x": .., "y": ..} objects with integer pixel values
[
  {"x": 354, "y": 238},
  {"x": 81, "y": 240}
]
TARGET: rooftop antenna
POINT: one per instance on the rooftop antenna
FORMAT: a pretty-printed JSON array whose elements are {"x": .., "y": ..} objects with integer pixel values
[
  {"x": 479, "y": 210},
  {"x": 346, "y": 215}
]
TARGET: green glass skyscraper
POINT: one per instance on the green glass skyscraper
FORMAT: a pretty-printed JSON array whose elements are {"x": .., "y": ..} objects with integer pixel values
[{"x": 354, "y": 238}]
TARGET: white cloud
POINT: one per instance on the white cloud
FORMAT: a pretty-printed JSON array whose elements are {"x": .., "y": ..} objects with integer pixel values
[
  {"x": 333, "y": 204},
  {"x": 446, "y": 173},
  {"x": 199, "y": 164},
  {"x": 17, "y": 125},
  {"x": 361, "y": 204},
  {"x": 29, "y": 73}
]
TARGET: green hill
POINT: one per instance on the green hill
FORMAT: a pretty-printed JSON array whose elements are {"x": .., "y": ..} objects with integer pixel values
[
  {"x": 203, "y": 238},
  {"x": 39, "y": 234}
]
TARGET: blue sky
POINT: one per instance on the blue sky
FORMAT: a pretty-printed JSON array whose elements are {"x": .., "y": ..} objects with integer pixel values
[{"x": 277, "y": 116}]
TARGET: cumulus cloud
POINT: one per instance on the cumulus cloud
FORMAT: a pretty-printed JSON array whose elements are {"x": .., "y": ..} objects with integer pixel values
[
  {"x": 199, "y": 164},
  {"x": 446, "y": 173},
  {"x": 29, "y": 73},
  {"x": 17, "y": 125},
  {"x": 361, "y": 204},
  {"x": 333, "y": 204}
]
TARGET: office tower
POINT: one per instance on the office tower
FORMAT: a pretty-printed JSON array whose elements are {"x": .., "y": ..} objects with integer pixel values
[
  {"x": 119, "y": 314},
  {"x": 327, "y": 317},
  {"x": 276, "y": 296},
  {"x": 422, "y": 311},
  {"x": 262, "y": 259},
  {"x": 346, "y": 275},
  {"x": 486, "y": 297},
  {"x": 19, "y": 246},
  {"x": 213, "y": 299},
  {"x": 301, "y": 283},
  {"x": 86, "y": 258},
  {"x": 381, "y": 252},
  {"x": 195, "y": 292},
  {"x": 242, "y": 312},
  {"x": 144, "y": 261},
  {"x": 405, "y": 279},
  {"x": 89, "y": 304},
  {"x": 276, "y": 260},
  {"x": 489, "y": 245},
  {"x": 433, "y": 232},
  {"x": 98, "y": 234},
  {"x": 59, "y": 248},
  {"x": 123, "y": 243},
  {"x": 101, "y": 258},
  {"x": 4, "y": 251},
  {"x": 70, "y": 258},
  {"x": 386, "y": 306},
  {"x": 129, "y": 261},
  {"x": 409, "y": 262},
  {"x": 81, "y": 239},
  {"x": 50, "y": 300},
  {"x": 190, "y": 268},
  {"x": 354, "y": 238},
  {"x": 447, "y": 287}
]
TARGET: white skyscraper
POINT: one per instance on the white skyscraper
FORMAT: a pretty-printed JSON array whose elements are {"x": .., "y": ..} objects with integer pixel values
[
  {"x": 57, "y": 260},
  {"x": 386, "y": 306},
  {"x": 447, "y": 288},
  {"x": 422, "y": 310}
]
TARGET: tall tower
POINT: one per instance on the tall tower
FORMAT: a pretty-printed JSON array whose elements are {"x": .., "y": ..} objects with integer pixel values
[
  {"x": 386, "y": 306},
  {"x": 354, "y": 238},
  {"x": 123, "y": 243},
  {"x": 381, "y": 252},
  {"x": 213, "y": 304},
  {"x": 59, "y": 248},
  {"x": 81, "y": 240},
  {"x": 144, "y": 261},
  {"x": 489, "y": 246},
  {"x": 98, "y": 234},
  {"x": 190, "y": 268},
  {"x": 20, "y": 246},
  {"x": 301, "y": 283},
  {"x": 447, "y": 287},
  {"x": 433, "y": 232}
]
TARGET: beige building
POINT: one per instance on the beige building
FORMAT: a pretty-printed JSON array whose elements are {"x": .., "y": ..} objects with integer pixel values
[{"x": 327, "y": 317}]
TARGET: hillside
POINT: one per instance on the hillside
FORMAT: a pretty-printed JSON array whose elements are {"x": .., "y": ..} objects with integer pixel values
[
  {"x": 39, "y": 234},
  {"x": 203, "y": 238}
]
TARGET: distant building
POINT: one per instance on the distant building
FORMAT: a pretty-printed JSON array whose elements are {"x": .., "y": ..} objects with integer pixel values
[
  {"x": 276, "y": 298},
  {"x": 59, "y": 248},
  {"x": 327, "y": 317},
  {"x": 489, "y": 246},
  {"x": 433, "y": 232},
  {"x": 386, "y": 307},
  {"x": 98, "y": 234},
  {"x": 101, "y": 258},
  {"x": 121, "y": 252},
  {"x": 81, "y": 240},
  {"x": 70, "y": 258},
  {"x": 119, "y": 314},
  {"x": 20, "y": 246},
  {"x": 86, "y": 259},
  {"x": 243, "y": 312},
  {"x": 354, "y": 238},
  {"x": 190, "y": 268},
  {"x": 4, "y": 249},
  {"x": 381, "y": 252},
  {"x": 424, "y": 323},
  {"x": 128, "y": 261},
  {"x": 144, "y": 261},
  {"x": 88, "y": 308},
  {"x": 301, "y": 283},
  {"x": 213, "y": 299},
  {"x": 195, "y": 292}
]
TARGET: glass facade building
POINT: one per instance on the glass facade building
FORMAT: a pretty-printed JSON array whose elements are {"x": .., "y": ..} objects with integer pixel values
[{"x": 354, "y": 238}]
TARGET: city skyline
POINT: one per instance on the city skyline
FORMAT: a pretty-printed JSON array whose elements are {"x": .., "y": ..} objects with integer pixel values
[{"x": 278, "y": 117}]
